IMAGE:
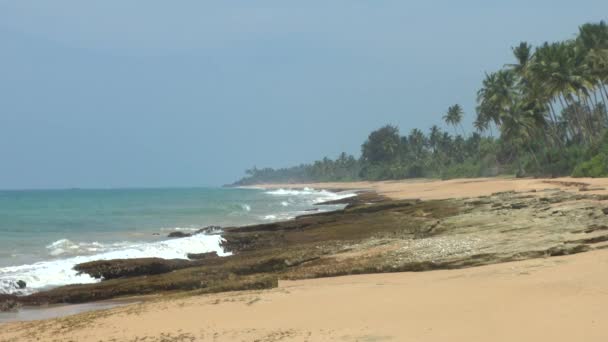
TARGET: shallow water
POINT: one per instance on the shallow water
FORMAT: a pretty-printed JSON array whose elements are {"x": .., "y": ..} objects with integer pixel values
[
  {"x": 44, "y": 233},
  {"x": 62, "y": 310}
]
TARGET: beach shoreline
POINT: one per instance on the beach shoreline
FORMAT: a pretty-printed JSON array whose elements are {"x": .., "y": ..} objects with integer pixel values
[
  {"x": 557, "y": 299},
  {"x": 443, "y": 233},
  {"x": 431, "y": 189}
]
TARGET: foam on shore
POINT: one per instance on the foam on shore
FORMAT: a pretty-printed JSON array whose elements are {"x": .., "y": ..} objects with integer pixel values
[{"x": 53, "y": 273}]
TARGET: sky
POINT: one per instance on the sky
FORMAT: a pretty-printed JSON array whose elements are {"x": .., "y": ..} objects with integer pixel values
[{"x": 119, "y": 93}]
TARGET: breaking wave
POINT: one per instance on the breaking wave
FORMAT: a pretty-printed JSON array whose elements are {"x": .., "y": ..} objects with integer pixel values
[
  {"x": 313, "y": 196},
  {"x": 53, "y": 273}
]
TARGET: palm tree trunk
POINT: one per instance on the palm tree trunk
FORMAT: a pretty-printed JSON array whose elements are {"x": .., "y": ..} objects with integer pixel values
[
  {"x": 554, "y": 126},
  {"x": 604, "y": 100},
  {"x": 594, "y": 99},
  {"x": 596, "y": 107},
  {"x": 589, "y": 117},
  {"x": 564, "y": 107},
  {"x": 603, "y": 87},
  {"x": 579, "y": 119},
  {"x": 534, "y": 157}
]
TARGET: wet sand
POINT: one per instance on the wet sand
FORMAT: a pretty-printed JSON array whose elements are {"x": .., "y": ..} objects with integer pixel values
[{"x": 35, "y": 313}]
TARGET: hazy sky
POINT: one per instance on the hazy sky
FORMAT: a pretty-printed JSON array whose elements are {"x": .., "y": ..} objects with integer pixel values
[{"x": 119, "y": 93}]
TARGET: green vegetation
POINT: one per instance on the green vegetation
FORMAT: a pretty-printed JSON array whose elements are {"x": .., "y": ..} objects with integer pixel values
[{"x": 549, "y": 109}]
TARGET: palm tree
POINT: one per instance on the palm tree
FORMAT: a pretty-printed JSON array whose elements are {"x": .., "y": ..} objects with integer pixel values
[
  {"x": 523, "y": 55},
  {"x": 417, "y": 142},
  {"x": 480, "y": 124},
  {"x": 454, "y": 116},
  {"x": 434, "y": 137},
  {"x": 593, "y": 40},
  {"x": 518, "y": 127}
]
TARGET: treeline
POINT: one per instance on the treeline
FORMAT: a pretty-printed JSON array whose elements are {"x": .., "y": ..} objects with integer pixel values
[
  {"x": 544, "y": 114},
  {"x": 342, "y": 169}
]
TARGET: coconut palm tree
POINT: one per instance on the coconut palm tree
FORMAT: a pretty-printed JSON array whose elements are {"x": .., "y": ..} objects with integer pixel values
[
  {"x": 434, "y": 137},
  {"x": 454, "y": 117}
]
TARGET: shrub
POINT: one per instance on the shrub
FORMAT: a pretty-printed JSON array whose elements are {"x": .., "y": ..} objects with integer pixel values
[{"x": 596, "y": 167}]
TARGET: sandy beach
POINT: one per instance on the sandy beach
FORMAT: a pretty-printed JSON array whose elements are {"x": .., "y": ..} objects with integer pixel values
[
  {"x": 556, "y": 299},
  {"x": 562, "y": 298},
  {"x": 457, "y": 188}
]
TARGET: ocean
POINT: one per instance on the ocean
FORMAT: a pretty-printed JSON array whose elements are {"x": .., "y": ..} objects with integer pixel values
[{"x": 44, "y": 233}]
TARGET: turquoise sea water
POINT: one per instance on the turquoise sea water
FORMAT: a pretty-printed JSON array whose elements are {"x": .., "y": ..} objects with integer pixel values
[{"x": 44, "y": 232}]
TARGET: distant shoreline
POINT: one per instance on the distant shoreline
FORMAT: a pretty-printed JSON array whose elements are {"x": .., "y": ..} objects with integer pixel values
[{"x": 427, "y": 189}]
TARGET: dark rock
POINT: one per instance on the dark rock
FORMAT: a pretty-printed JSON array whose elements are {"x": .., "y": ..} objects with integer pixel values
[
  {"x": 567, "y": 250},
  {"x": 210, "y": 230},
  {"x": 202, "y": 256},
  {"x": 21, "y": 284},
  {"x": 266, "y": 266},
  {"x": 9, "y": 303},
  {"x": 178, "y": 235},
  {"x": 480, "y": 202},
  {"x": 504, "y": 193},
  {"x": 182, "y": 280},
  {"x": 121, "y": 268},
  {"x": 594, "y": 228},
  {"x": 591, "y": 189},
  {"x": 596, "y": 239},
  {"x": 518, "y": 205},
  {"x": 605, "y": 211},
  {"x": 568, "y": 184}
]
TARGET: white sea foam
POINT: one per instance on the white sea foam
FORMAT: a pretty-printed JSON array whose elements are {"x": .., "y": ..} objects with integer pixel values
[
  {"x": 52, "y": 273},
  {"x": 65, "y": 247},
  {"x": 313, "y": 196},
  {"x": 291, "y": 192},
  {"x": 301, "y": 200},
  {"x": 48, "y": 274}
]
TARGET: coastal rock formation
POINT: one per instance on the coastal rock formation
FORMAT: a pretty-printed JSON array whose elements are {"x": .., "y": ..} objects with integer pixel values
[
  {"x": 372, "y": 234},
  {"x": 179, "y": 234},
  {"x": 202, "y": 256},
  {"x": 9, "y": 303},
  {"x": 121, "y": 268},
  {"x": 210, "y": 230}
]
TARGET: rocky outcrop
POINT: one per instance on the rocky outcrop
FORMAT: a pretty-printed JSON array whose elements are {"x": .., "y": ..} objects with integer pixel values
[
  {"x": 122, "y": 268},
  {"x": 178, "y": 234},
  {"x": 202, "y": 256},
  {"x": 9, "y": 303},
  {"x": 210, "y": 230},
  {"x": 189, "y": 279},
  {"x": 369, "y": 235}
]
